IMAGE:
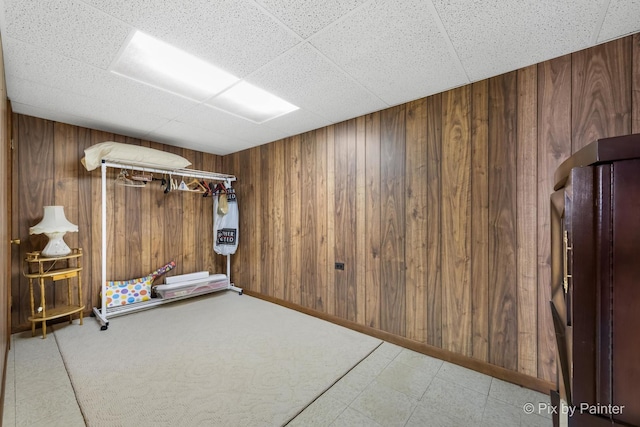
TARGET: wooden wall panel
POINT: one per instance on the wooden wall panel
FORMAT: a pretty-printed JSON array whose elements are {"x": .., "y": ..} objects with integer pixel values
[
  {"x": 277, "y": 171},
  {"x": 349, "y": 224},
  {"x": 254, "y": 240},
  {"x": 85, "y": 214},
  {"x": 35, "y": 189},
  {"x": 247, "y": 188},
  {"x": 416, "y": 220},
  {"x": 322, "y": 206},
  {"x": 456, "y": 221},
  {"x": 433, "y": 262},
  {"x": 351, "y": 244},
  {"x": 309, "y": 226},
  {"x": 340, "y": 220},
  {"x": 526, "y": 236},
  {"x": 266, "y": 243},
  {"x": 330, "y": 212},
  {"x": 480, "y": 219},
  {"x": 65, "y": 164},
  {"x": 373, "y": 221},
  {"x": 132, "y": 226},
  {"x": 292, "y": 220},
  {"x": 360, "y": 220},
  {"x": 392, "y": 233},
  {"x": 554, "y": 146},
  {"x": 503, "y": 315},
  {"x": 343, "y": 221},
  {"x": 439, "y": 208},
  {"x": 601, "y": 95}
]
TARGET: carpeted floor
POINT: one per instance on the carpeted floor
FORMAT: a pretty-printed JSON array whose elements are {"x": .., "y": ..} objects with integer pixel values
[{"x": 221, "y": 359}]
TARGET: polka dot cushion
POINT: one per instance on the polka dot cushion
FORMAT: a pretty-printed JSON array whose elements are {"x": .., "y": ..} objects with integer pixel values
[{"x": 123, "y": 292}]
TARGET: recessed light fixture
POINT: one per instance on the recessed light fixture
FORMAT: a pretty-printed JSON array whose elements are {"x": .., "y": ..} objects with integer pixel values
[
  {"x": 252, "y": 103},
  {"x": 158, "y": 64}
]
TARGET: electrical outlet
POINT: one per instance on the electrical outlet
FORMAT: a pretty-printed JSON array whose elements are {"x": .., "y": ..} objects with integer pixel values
[{"x": 339, "y": 265}]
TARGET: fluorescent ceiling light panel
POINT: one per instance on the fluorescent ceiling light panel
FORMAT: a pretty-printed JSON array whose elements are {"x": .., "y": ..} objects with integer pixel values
[
  {"x": 252, "y": 103},
  {"x": 156, "y": 63}
]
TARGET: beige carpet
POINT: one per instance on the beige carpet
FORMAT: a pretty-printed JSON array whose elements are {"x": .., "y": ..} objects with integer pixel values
[{"x": 218, "y": 360}]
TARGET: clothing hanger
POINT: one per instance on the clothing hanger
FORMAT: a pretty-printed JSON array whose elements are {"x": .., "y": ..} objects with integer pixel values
[
  {"x": 218, "y": 189},
  {"x": 123, "y": 179},
  {"x": 207, "y": 190},
  {"x": 183, "y": 185},
  {"x": 196, "y": 186},
  {"x": 141, "y": 176},
  {"x": 166, "y": 183}
]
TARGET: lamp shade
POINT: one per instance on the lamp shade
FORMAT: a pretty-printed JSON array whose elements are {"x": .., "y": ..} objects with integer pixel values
[{"x": 54, "y": 225}]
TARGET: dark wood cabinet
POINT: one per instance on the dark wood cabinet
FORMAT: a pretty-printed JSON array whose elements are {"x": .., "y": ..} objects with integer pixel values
[{"x": 595, "y": 303}]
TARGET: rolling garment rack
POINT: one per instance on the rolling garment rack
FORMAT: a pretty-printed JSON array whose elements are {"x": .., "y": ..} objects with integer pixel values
[{"x": 103, "y": 313}]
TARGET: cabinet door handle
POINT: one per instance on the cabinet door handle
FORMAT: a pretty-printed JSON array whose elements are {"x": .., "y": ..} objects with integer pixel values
[{"x": 15, "y": 241}]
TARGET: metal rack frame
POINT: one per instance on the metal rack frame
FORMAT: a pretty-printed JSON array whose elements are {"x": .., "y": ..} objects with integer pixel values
[{"x": 103, "y": 313}]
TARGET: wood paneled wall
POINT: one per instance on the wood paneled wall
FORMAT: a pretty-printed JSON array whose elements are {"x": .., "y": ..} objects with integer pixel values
[
  {"x": 439, "y": 208},
  {"x": 146, "y": 227}
]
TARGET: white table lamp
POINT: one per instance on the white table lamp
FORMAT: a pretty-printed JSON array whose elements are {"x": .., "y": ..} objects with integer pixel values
[{"x": 54, "y": 225}]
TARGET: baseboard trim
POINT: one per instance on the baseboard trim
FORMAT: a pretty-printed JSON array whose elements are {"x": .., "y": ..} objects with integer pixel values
[{"x": 504, "y": 374}]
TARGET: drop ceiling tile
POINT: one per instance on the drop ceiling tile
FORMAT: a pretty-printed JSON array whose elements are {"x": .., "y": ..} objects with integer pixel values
[
  {"x": 40, "y": 66},
  {"x": 188, "y": 136},
  {"x": 623, "y": 17},
  {"x": 86, "y": 122},
  {"x": 307, "y": 17},
  {"x": 39, "y": 95},
  {"x": 70, "y": 28},
  {"x": 124, "y": 119},
  {"x": 226, "y": 124},
  {"x": 308, "y": 80},
  {"x": 394, "y": 49},
  {"x": 497, "y": 36},
  {"x": 237, "y": 36},
  {"x": 56, "y": 116},
  {"x": 299, "y": 121}
]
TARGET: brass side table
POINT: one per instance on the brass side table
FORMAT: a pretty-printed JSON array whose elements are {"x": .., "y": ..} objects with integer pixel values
[{"x": 41, "y": 269}]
